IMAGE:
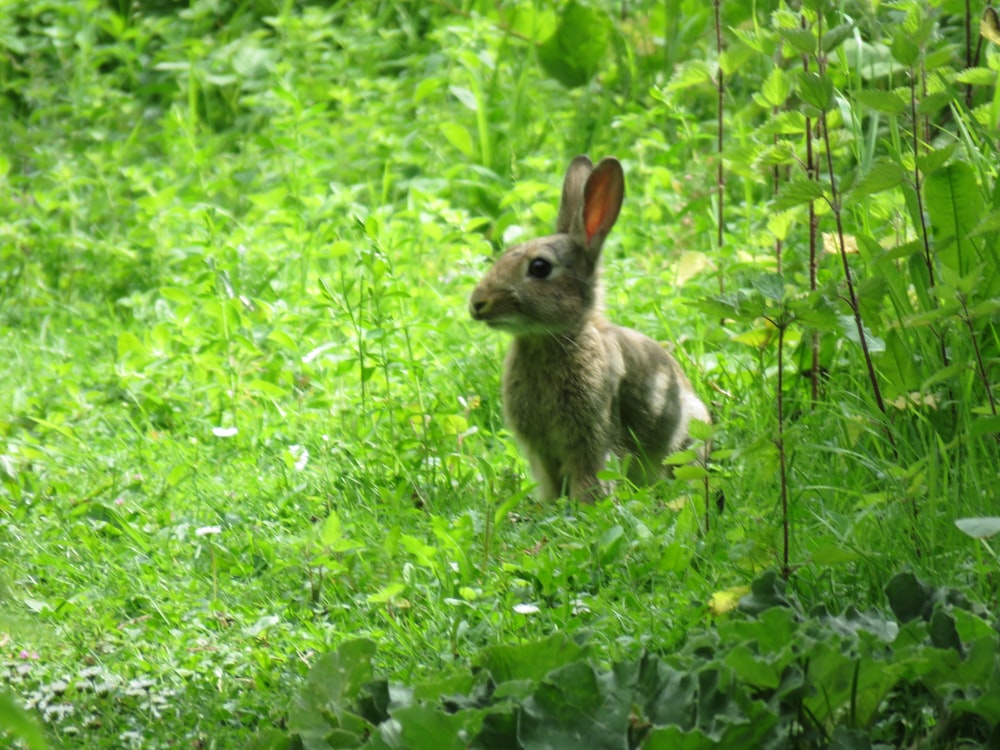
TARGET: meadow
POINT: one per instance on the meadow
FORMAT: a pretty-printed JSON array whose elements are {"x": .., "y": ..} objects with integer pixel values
[{"x": 255, "y": 485}]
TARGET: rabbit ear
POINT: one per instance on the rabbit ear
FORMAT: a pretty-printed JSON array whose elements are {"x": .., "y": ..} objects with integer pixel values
[
  {"x": 572, "y": 193},
  {"x": 602, "y": 200}
]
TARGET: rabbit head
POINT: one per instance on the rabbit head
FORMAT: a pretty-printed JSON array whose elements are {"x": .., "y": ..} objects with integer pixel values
[
  {"x": 550, "y": 284},
  {"x": 576, "y": 388}
]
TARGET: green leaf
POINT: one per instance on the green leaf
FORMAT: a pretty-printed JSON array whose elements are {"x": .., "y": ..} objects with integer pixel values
[
  {"x": 330, "y": 696},
  {"x": 459, "y": 137},
  {"x": 884, "y": 174},
  {"x": 904, "y": 49},
  {"x": 531, "y": 661},
  {"x": 955, "y": 206},
  {"x": 985, "y": 426},
  {"x": 771, "y": 285},
  {"x": 977, "y": 77},
  {"x": 765, "y": 592},
  {"x": 796, "y": 192},
  {"x": 689, "y": 74},
  {"x": 909, "y": 597},
  {"x": 931, "y": 161},
  {"x": 835, "y": 36},
  {"x": 573, "y": 54},
  {"x": 19, "y": 724},
  {"x": 424, "y": 726},
  {"x": 775, "y": 90},
  {"x": 802, "y": 40},
  {"x": 816, "y": 90},
  {"x": 888, "y": 102}
]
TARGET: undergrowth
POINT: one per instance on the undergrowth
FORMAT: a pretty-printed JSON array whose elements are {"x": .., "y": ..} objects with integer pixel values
[{"x": 245, "y": 420}]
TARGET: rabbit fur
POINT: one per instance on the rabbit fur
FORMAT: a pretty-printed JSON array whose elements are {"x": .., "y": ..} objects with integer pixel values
[{"x": 577, "y": 388}]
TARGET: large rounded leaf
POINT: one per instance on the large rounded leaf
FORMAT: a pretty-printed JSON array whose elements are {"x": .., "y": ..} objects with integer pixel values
[{"x": 574, "y": 52}]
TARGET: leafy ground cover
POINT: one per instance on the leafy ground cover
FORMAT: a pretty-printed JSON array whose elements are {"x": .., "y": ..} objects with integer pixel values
[{"x": 245, "y": 421}]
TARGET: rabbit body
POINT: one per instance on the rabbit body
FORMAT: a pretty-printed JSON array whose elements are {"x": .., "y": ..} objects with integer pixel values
[{"x": 577, "y": 388}]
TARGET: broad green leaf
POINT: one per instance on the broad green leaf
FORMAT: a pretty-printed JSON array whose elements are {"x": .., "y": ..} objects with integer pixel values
[
  {"x": 574, "y": 53},
  {"x": 771, "y": 285},
  {"x": 985, "y": 426},
  {"x": 909, "y": 597},
  {"x": 765, "y": 592},
  {"x": 977, "y": 77},
  {"x": 833, "y": 554},
  {"x": 329, "y": 698},
  {"x": 888, "y": 102},
  {"x": 835, "y": 36},
  {"x": 904, "y": 49},
  {"x": 801, "y": 39},
  {"x": 796, "y": 192},
  {"x": 816, "y": 90},
  {"x": 129, "y": 343},
  {"x": 689, "y": 74},
  {"x": 955, "y": 205},
  {"x": 782, "y": 152},
  {"x": 267, "y": 388},
  {"x": 884, "y": 174},
  {"x": 425, "y": 726},
  {"x": 460, "y": 137},
  {"x": 933, "y": 103},
  {"x": 931, "y": 161}
]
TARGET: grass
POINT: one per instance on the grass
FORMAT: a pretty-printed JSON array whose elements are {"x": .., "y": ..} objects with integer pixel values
[{"x": 245, "y": 416}]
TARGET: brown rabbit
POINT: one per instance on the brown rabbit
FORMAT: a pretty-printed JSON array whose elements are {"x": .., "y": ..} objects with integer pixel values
[{"x": 577, "y": 388}]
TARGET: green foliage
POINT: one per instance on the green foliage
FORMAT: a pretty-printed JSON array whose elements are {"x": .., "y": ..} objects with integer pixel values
[
  {"x": 779, "y": 677},
  {"x": 245, "y": 420}
]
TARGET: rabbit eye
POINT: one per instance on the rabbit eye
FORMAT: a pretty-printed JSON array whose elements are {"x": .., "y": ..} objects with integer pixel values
[{"x": 539, "y": 268}]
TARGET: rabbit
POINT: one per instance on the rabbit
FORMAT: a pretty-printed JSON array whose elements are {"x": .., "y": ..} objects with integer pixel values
[{"x": 577, "y": 388}]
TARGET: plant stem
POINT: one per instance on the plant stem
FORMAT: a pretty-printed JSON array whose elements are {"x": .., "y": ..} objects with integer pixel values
[
  {"x": 980, "y": 365},
  {"x": 786, "y": 569},
  {"x": 720, "y": 183}
]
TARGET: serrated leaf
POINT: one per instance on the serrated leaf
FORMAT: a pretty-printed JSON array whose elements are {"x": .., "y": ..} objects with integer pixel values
[
  {"x": 977, "y": 77},
  {"x": 835, "y": 36},
  {"x": 426, "y": 726},
  {"x": 796, "y": 192},
  {"x": 802, "y": 40},
  {"x": 689, "y": 74},
  {"x": 816, "y": 90},
  {"x": 775, "y": 90},
  {"x": 782, "y": 152},
  {"x": 904, "y": 49},
  {"x": 771, "y": 285},
  {"x": 888, "y": 102},
  {"x": 932, "y": 103},
  {"x": 883, "y": 175},
  {"x": 934, "y": 159}
]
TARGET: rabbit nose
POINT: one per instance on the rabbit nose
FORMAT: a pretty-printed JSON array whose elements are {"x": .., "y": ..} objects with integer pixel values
[{"x": 478, "y": 307}]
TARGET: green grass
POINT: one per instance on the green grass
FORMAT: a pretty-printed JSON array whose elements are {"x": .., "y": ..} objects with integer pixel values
[{"x": 245, "y": 418}]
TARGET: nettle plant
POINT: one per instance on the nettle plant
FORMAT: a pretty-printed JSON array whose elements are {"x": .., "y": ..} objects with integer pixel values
[{"x": 865, "y": 172}]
